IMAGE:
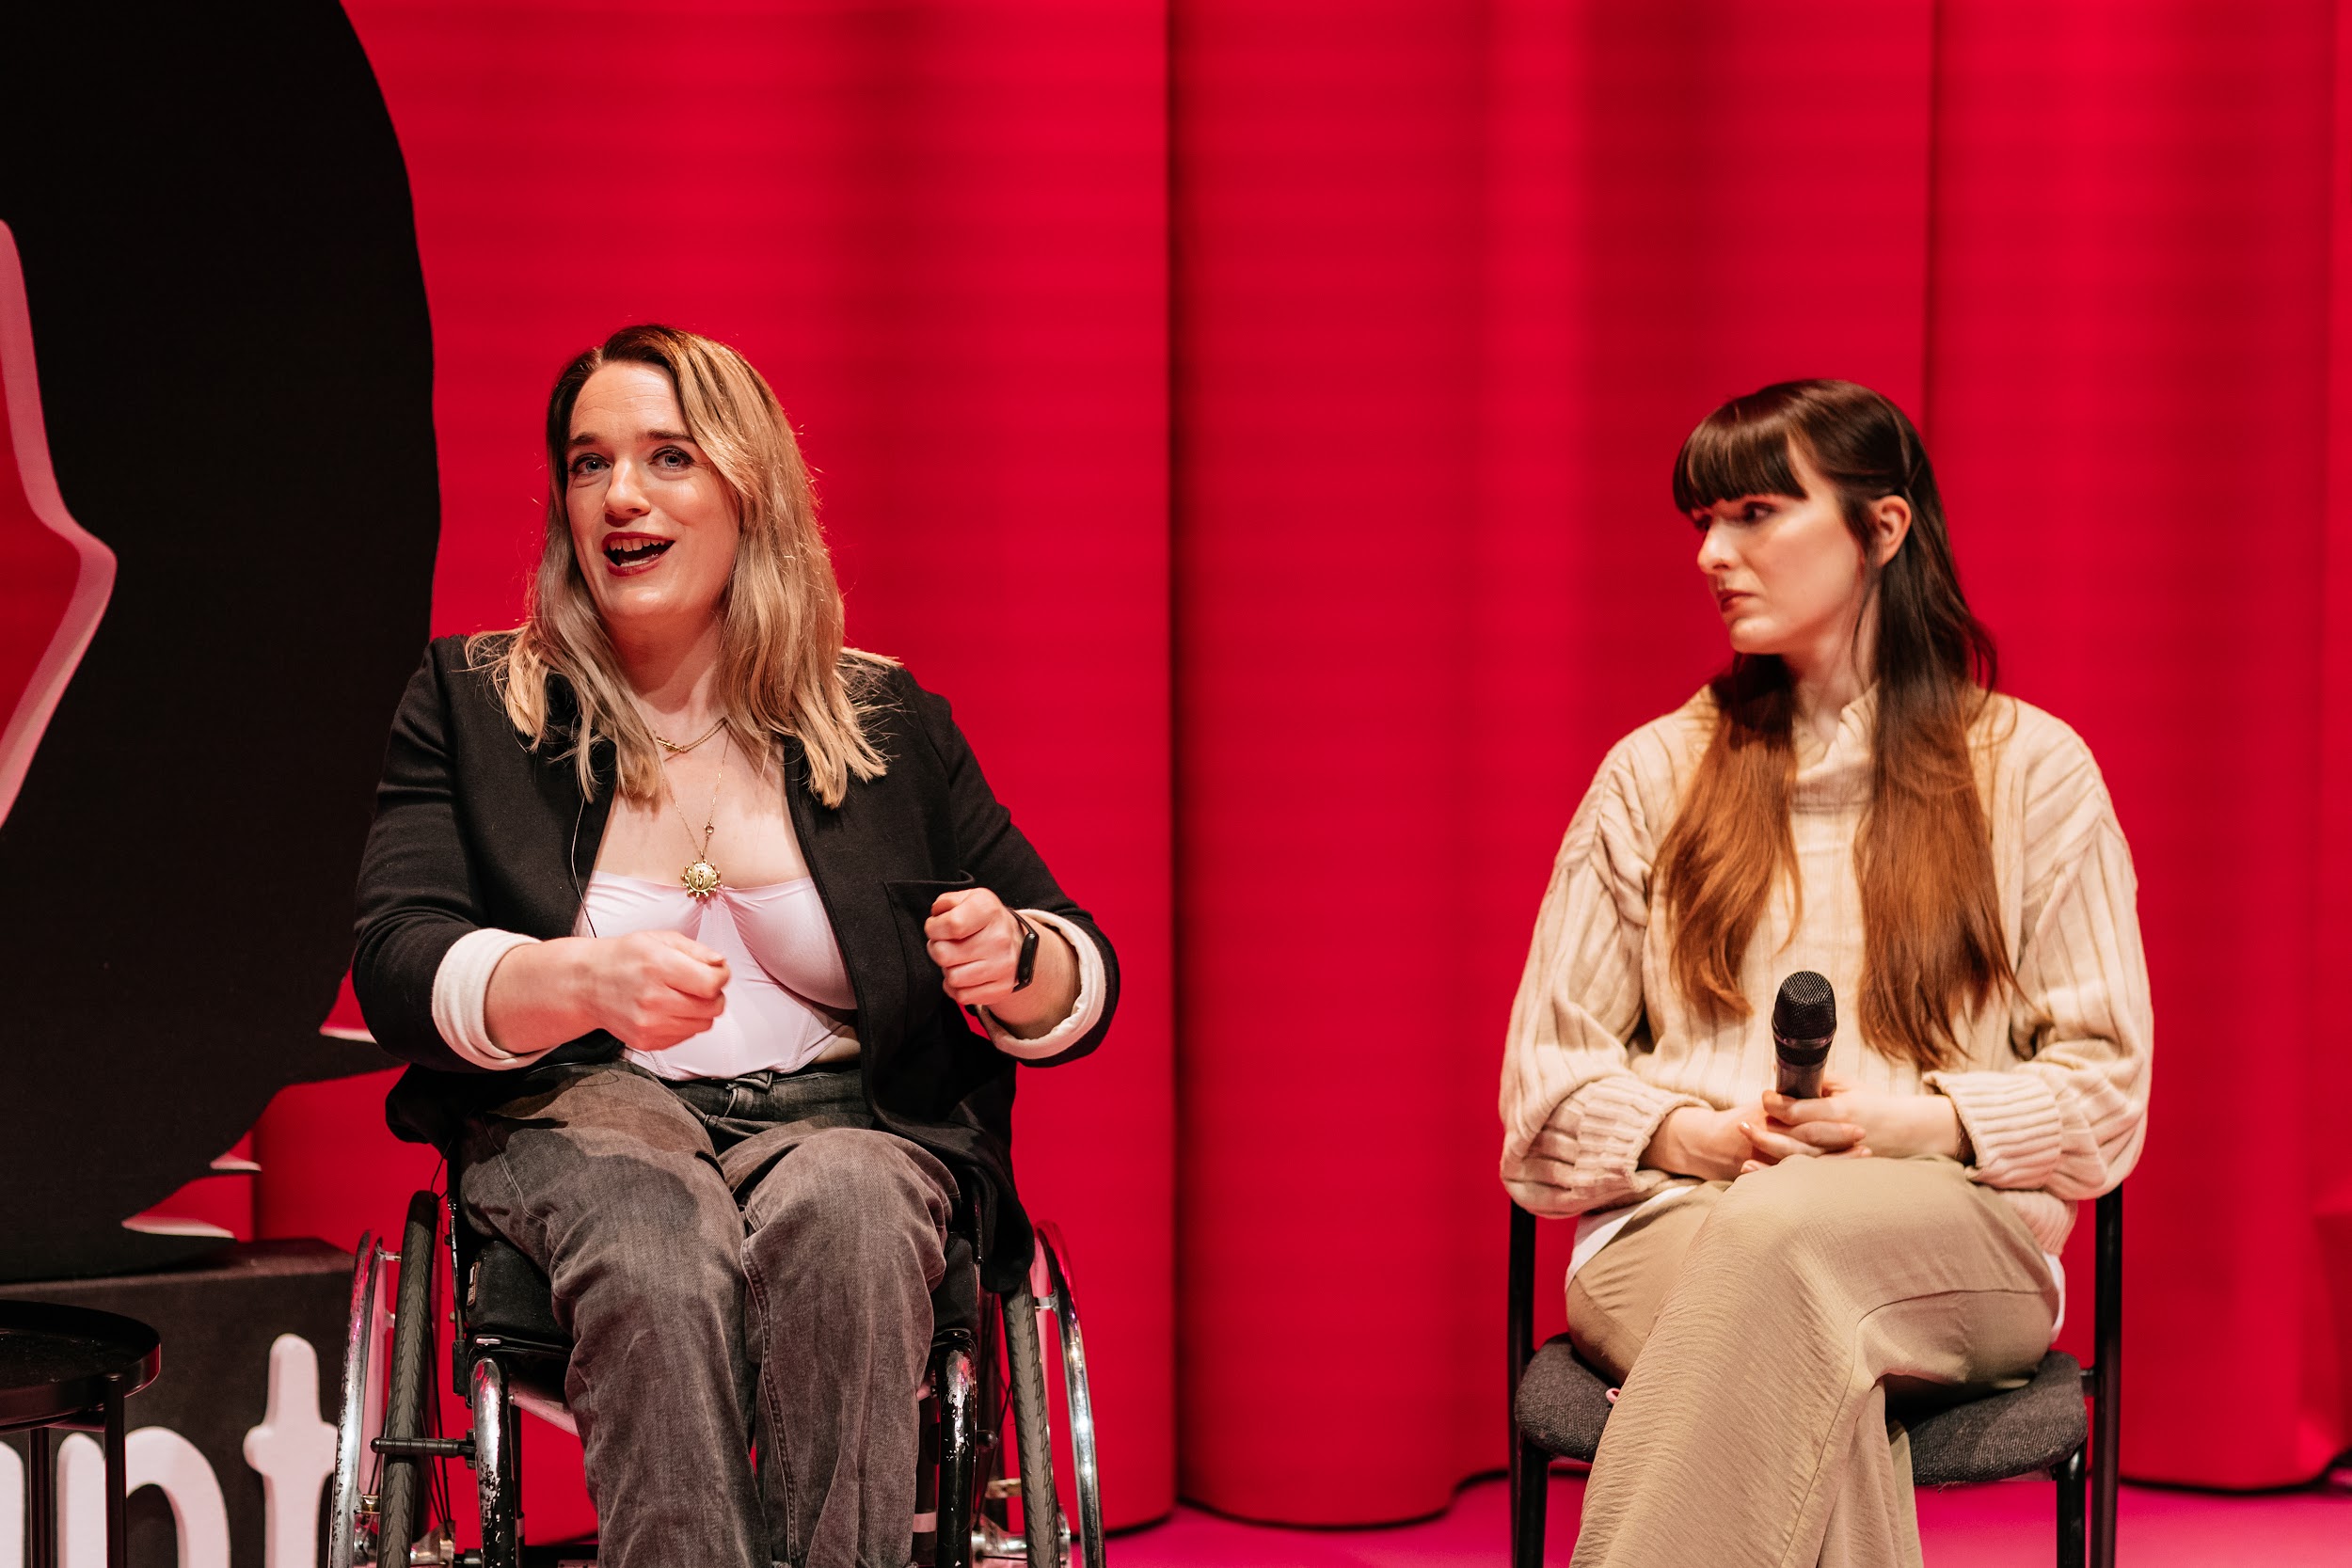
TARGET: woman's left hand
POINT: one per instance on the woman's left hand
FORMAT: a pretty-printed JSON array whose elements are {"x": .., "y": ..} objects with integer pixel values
[
  {"x": 1893, "y": 1126},
  {"x": 976, "y": 942}
]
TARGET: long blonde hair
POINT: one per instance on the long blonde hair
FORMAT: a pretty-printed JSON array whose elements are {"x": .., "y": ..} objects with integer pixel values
[{"x": 783, "y": 669}]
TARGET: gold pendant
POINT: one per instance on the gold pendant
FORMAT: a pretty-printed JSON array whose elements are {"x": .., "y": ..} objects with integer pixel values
[{"x": 701, "y": 879}]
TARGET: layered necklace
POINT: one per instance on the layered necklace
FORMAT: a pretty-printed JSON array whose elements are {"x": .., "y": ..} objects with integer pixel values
[{"x": 701, "y": 878}]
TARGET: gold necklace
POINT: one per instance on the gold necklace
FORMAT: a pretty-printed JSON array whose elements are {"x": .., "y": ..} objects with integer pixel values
[
  {"x": 701, "y": 878},
  {"x": 675, "y": 750}
]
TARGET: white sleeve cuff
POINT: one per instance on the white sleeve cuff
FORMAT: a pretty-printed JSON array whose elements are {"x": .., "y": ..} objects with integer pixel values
[
  {"x": 462, "y": 985},
  {"x": 1084, "y": 1013}
]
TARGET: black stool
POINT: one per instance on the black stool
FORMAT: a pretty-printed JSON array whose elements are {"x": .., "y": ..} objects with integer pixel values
[{"x": 74, "y": 1368}]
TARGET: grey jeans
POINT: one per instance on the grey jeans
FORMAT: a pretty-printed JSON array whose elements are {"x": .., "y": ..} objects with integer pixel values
[{"x": 738, "y": 1263}]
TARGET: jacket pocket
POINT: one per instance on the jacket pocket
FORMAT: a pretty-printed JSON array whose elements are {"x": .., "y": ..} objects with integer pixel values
[
  {"x": 915, "y": 896},
  {"x": 911, "y": 906}
]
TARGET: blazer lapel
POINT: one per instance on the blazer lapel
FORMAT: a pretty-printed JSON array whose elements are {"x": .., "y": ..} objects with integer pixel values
[
  {"x": 852, "y": 892},
  {"x": 579, "y": 822}
]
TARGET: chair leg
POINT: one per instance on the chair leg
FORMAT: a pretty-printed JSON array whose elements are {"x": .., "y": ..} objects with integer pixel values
[
  {"x": 40, "y": 1497},
  {"x": 117, "y": 1481},
  {"x": 1530, "y": 1496},
  {"x": 2071, "y": 1476},
  {"x": 2101, "y": 1488}
]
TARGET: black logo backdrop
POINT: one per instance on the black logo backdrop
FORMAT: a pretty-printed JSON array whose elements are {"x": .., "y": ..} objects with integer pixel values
[{"x": 235, "y": 362}]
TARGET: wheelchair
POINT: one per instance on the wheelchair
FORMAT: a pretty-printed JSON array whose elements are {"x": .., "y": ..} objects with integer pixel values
[{"x": 979, "y": 1498}]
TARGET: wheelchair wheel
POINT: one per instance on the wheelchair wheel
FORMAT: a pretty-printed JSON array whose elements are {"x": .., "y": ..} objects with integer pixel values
[
  {"x": 399, "y": 1503},
  {"x": 351, "y": 1520},
  {"x": 1033, "y": 1435},
  {"x": 1086, "y": 1476}
]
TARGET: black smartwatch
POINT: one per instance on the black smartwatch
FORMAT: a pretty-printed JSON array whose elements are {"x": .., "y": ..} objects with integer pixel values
[{"x": 1024, "y": 968}]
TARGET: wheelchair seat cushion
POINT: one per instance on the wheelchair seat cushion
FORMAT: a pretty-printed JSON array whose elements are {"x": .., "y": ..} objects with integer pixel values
[
  {"x": 510, "y": 1298},
  {"x": 1562, "y": 1404}
]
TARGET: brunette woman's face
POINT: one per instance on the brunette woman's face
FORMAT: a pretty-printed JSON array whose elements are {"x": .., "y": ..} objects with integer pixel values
[
  {"x": 654, "y": 527},
  {"x": 1785, "y": 570}
]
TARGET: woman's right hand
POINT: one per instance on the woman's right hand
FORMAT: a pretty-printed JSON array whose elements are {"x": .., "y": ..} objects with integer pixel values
[
  {"x": 1721, "y": 1145},
  {"x": 652, "y": 990}
]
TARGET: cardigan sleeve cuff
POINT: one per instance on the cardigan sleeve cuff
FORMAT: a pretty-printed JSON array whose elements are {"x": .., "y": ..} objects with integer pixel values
[
  {"x": 2013, "y": 1124},
  {"x": 1618, "y": 1115},
  {"x": 461, "y": 987},
  {"x": 1084, "y": 1013}
]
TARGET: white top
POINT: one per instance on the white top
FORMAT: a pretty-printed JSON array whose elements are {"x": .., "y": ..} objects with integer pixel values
[
  {"x": 786, "y": 990},
  {"x": 785, "y": 973}
]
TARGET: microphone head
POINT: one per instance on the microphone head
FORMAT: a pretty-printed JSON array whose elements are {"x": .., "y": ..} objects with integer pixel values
[{"x": 1807, "y": 1009}]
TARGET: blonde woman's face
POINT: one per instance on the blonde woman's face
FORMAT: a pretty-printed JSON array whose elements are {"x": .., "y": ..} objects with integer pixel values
[{"x": 654, "y": 527}]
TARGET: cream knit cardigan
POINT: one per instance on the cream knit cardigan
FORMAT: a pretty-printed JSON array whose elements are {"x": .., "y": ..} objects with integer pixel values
[{"x": 2053, "y": 1090}]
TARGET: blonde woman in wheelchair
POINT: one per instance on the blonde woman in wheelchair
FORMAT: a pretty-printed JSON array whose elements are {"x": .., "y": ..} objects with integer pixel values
[
  {"x": 1850, "y": 797},
  {"x": 680, "y": 909}
]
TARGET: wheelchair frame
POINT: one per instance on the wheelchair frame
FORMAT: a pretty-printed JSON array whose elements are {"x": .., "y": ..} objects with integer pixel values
[{"x": 978, "y": 1376}]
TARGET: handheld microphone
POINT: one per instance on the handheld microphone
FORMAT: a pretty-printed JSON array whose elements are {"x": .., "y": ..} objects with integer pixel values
[{"x": 1804, "y": 1020}]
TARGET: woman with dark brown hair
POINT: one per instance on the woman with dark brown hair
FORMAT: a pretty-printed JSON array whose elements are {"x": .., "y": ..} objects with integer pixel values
[{"x": 1850, "y": 797}]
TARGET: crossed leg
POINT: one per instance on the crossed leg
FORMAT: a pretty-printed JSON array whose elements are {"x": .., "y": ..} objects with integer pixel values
[{"x": 1754, "y": 1325}]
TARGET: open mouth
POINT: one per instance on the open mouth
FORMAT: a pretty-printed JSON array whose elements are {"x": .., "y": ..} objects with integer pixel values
[{"x": 635, "y": 549}]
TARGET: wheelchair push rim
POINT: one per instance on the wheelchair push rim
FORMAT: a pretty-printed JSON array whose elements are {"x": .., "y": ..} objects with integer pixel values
[
  {"x": 1085, "y": 1475},
  {"x": 1023, "y": 1364},
  {"x": 343, "y": 1524}
]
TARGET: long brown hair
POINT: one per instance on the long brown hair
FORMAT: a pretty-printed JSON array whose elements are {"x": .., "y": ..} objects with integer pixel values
[
  {"x": 1932, "y": 949},
  {"x": 783, "y": 669}
]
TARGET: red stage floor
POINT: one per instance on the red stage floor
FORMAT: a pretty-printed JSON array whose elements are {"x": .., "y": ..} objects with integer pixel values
[{"x": 1975, "y": 1527}]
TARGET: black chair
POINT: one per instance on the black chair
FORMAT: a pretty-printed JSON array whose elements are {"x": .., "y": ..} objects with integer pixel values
[
  {"x": 509, "y": 1354},
  {"x": 1559, "y": 1405}
]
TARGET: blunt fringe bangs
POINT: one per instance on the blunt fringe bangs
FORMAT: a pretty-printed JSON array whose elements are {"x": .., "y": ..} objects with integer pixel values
[{"x": 1740, "y": 450}]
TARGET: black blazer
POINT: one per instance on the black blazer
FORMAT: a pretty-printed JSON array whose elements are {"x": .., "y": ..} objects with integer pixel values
[{"x": 473, "y": 829}]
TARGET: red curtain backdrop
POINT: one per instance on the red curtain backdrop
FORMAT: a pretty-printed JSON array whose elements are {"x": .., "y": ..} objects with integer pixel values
[{"x": 1449, "y": 284}]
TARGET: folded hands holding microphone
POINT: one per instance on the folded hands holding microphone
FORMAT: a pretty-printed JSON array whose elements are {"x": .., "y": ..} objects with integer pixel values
[{"x": 1844, "y": 1123}]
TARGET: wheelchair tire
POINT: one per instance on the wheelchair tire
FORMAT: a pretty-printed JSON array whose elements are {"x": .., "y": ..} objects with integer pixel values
[
  {"x": 1033, "y": 1432},
  {"x": 401, "y": 1502}
]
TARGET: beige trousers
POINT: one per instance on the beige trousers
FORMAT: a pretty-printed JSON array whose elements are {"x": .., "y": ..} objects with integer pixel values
[{"x": 1755, "y": 1327}]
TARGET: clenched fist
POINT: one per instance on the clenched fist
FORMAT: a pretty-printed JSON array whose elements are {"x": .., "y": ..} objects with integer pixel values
[
  {"x": 976, "y": 942},
  {"x": 654, "y": 989}
]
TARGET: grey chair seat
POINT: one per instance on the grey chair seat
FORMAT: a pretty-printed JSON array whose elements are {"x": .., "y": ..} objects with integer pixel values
[{"x": 1562, "y": 1404}]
